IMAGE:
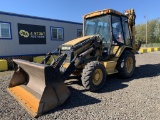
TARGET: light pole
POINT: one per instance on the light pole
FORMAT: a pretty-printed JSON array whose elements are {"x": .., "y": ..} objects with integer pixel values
[{"x": 146, "y": 29}]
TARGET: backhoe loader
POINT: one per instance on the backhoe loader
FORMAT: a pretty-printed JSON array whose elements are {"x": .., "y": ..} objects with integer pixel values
[{"x": 106, "y": 47}]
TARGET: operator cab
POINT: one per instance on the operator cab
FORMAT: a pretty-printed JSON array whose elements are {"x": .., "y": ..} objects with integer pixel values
[{"x": 111, "y": 26}]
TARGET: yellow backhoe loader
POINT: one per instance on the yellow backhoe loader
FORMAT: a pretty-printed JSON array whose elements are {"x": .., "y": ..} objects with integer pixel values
[{"x": 106, "y": 47}]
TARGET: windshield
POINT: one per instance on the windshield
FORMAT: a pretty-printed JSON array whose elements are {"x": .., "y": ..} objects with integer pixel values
[{"x": 98, "y": 25}]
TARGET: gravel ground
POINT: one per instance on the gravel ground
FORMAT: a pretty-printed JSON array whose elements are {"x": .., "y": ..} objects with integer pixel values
[{"x": 137, "y": 98}]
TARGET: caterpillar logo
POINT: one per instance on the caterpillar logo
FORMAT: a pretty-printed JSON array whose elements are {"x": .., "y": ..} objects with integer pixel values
[{"x": 24, "y": 33}]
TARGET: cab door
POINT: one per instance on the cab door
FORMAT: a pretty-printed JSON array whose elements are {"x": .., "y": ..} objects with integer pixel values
[
  {"x": 117, "y": 34},
  {"x": 128, "y": 41}
]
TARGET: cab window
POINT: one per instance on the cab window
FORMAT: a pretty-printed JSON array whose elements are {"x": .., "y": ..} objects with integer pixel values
[
  {"x": 126, "y": 31},
  {"x": 117, "y": 29}
]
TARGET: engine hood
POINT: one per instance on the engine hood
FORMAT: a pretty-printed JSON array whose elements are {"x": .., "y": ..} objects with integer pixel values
[{"x": 76, "y": 41}]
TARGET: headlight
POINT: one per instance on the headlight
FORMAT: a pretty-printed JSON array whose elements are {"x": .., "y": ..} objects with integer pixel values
[{"x": 65, "y": 48}]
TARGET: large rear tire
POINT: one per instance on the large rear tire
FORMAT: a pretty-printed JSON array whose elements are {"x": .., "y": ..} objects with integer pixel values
[
  {"x": 126, "y": 64},
  {"x": 93, "y": 76}
]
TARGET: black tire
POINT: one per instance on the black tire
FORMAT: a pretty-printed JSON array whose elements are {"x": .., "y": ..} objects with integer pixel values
[
  {"x": 92, "y": 71},
  {"x": 124, "y": 69}
]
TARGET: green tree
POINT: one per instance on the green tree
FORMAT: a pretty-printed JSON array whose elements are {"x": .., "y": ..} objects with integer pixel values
[
  {"x": 140, "y": 32},
  {"x": 152, "y": 27},
  {"x": 153, "y": 31},
  {"x": 157, "y": 30}
]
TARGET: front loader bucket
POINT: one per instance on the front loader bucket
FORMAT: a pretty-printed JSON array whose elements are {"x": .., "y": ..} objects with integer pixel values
[{"x": 37, "y": 87}]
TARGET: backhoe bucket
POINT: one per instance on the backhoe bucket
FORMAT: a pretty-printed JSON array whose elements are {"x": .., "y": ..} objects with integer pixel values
[{"x": 37, "y": 87}]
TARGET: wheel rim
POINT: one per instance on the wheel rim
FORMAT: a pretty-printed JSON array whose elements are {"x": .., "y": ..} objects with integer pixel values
[
  {"x": 97, "y": 76},
  {"x": 129, "y": 64}
]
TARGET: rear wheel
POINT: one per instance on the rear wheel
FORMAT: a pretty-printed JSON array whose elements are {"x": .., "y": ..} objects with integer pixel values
[
  {"x": 93, "y": 76},
  {"x": 126, "y": 64}
]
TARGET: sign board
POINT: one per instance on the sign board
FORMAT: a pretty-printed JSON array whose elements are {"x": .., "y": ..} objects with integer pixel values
[{"x": 31, "y": 34}]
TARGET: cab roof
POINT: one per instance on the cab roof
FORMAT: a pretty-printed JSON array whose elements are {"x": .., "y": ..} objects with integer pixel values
[{"x": 103, "y": 12}]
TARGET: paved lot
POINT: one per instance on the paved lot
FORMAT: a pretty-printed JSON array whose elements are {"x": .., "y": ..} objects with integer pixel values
[{"x": 137, "y": 98}]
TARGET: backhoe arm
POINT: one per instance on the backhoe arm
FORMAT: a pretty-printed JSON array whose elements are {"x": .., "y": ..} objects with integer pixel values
[{"x": 131, "y": 22}]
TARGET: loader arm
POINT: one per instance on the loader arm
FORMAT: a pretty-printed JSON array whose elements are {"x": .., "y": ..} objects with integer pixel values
[
  {"x": 78, "y": 59},
  {"x": 44, "y": 84}
]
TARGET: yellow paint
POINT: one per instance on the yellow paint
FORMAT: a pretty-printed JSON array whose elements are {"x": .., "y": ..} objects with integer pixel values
[
  {"x": 113, "y": 59},
  {"x": 150, "y": 49},
  {"x": 129, "y": 64},
  {"x": 26, "y": 98},
  {"x": 97, "y": 77},
  {"x": 102, "y": 12},
  {"x": 110, "y": 67},
  {"x": 120, "y": 51},
  {"x": 143, "y": 50},
  {"x": 157, "y": 49},
  {"x": 114, "y": 49},
  {"x": 3, "y": 65},
  {"x": 109, "y": 64},
  {"x": 65, "y": 65},
  {"x": 77, "y": 40},
  {"x": 39, "y": 59}
]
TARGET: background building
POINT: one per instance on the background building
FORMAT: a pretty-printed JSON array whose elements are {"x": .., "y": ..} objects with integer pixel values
[{"x": 23, "y": 35}]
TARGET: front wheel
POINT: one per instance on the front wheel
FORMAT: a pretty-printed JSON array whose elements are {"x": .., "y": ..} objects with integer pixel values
[
  {"x": 126, "y": 64},
  {"x": 93, "y": 76}
]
